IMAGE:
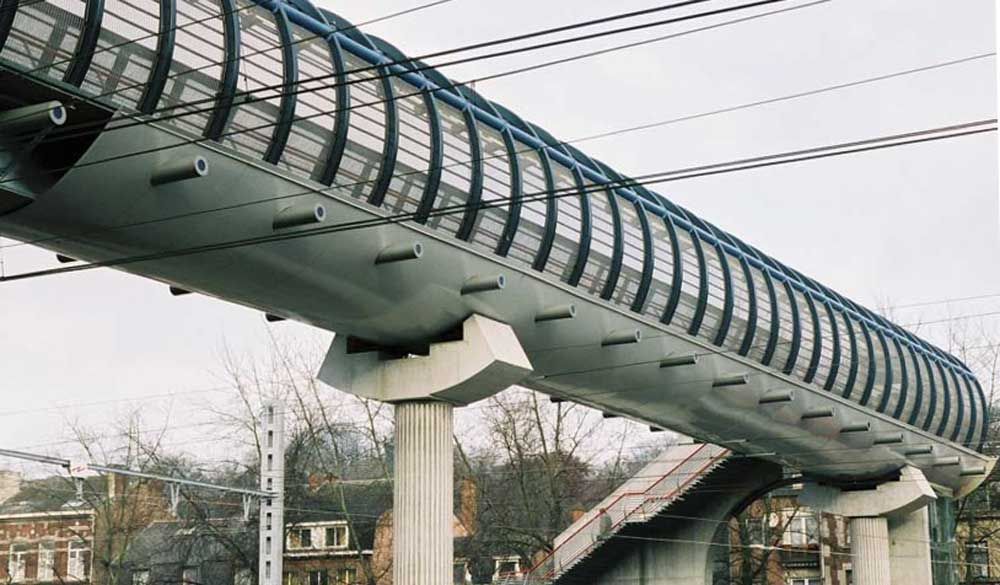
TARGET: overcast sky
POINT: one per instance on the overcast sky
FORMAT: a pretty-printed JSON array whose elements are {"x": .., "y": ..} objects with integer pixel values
[{"x": 912, "y": 224}]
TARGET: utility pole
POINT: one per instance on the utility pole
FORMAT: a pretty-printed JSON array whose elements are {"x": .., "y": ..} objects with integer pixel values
[{"x": 272, "y": 480}]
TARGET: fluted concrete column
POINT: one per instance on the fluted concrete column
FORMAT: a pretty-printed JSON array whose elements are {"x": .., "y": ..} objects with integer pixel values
[
  {"x": 422, "y": 529},
  {"x": 487, "y": 359},
  {"x": 870, "y": 550}
]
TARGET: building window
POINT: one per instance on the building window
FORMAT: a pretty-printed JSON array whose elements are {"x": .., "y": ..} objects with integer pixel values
[
  {"x": 17, "y": 562},
  {"x": 46, "y": 561},
  {"x": 977, "y": 559},
  {"x": 806, "y": 581},
  {"x": 76, "y": 561},
  {"x": 336, "y": 537},
  {"x": 318, "y": 578},
  {"x": 506, "y": 567},
  {"x": 802, "y": 529},
  {"x": 140, "y": 577},
  {"x": 190, "y": 576},
  {"x": 347, "y": 576},
  {"x": 300, "y": 538}
]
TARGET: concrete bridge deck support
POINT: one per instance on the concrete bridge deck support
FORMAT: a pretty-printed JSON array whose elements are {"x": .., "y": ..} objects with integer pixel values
[
  {"x": 888, "y": 525},
  {"x": 487, "y": 359}
]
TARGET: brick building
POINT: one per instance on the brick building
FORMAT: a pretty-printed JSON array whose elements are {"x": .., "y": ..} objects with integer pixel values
[
  {"x": 46, "y": 532},
  {"x": 776, "y": 541}
]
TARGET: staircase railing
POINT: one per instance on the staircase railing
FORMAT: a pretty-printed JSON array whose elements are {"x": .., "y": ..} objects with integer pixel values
[{"x": 624, "y": 508}]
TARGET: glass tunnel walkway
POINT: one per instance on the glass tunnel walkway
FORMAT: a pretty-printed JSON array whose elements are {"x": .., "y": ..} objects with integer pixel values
[{"x": 304, "y": 90}]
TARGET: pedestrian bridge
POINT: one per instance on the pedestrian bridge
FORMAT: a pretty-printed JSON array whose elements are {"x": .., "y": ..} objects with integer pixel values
[{"x": 251, "y": 150}]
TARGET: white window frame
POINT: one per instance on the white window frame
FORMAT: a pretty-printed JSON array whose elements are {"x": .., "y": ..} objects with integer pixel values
[
  {"x": 295, "y": 538},
  {"x": 46, "y": 561},
  {"x": 17, "y": 563},
  {"x": 977, "y": 570},
  {"x": 346, "y": 576},
  {"x": 323, "y": 576},
  {"x": 797, "y": 528},
  {"x": 76, "y": 565},
  {"x": 337, "y": 528},
  {"x": 497, "y": 561}
]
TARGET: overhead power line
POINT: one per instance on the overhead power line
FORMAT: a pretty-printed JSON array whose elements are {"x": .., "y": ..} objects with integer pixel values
[
  {"x": 87, "y": 128},
  {"x": 68, "y": 465},
  {"x": 606, "y": 134},
  {"x": 788, "y": 157},
  {"x": 177, "y": 27}
]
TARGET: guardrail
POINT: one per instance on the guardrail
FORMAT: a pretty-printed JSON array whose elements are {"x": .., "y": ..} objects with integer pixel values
[{"x": 624, "y": 508}]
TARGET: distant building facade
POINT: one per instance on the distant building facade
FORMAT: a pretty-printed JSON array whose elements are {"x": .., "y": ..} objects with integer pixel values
[{"x": 46, "y": 534}]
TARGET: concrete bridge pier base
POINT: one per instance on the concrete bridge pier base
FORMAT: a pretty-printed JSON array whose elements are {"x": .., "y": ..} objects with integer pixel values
[
  {"x": 888, "y": 525},
  {"x": 909, "y": 548},
  {"x": 425, "y": 390}
]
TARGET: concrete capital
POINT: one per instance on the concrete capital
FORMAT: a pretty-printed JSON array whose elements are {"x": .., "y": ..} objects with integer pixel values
[
  {"x": 897, "y": 498},
  {"x": 488, "y": 359}
]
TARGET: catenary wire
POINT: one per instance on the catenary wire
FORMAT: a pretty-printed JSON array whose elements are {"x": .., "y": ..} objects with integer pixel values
[
  {"x": 575, "y": 141},
  {"x": 802, "y": 155},
  {"x": 98, "y": 127}
]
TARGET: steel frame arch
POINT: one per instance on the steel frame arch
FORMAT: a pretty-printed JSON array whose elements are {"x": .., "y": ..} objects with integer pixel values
[
  {"x": 817, "y": 349},
  {"x": 959, "y": 410},
  {"x": 727, "y": 285},
  {"x": 932, "y": 398},
  {"x": 516, "y": 195},
  {"x": 702, "y": 306},
  {"x": 984, "y": 424},
  {"x": 677, "y": 278},
  {"x": 551, "y": 213},
  {"x": 223, "y": 107},
  {"x": 946, "y": 415},
  {"x": 7, "y": 15},
  {"x": 646, "y": 280},
  {"x": 727, "y": 303},
  {"x": 586, "y": 218},
  {"x": 973, "y": 411},
  {"x": 342, "y": 117},
  {"x": 793, "y": 353},
  {"x": 655, "y": 205},
  {"x": 586, "y": 231},
  {"x": 387, "y": 168},
  {"x": 86, "y": 44},
  {"x": 614, "y": 273},
  {"x": 289, "y": 97},
  {"x": 478, "y": 168},
  {"x": 904, "y": 383},
  {"x": 918, "y": 399},
  {"x": 751, "y": 332},
  {"x": 163, "y": 58},
  {"x": 583, "y": 244},
  {"x": 852, "y": 372},
  {"x": 887, "y": 384},
  {"x": 831, "y": 375},
  {"x": 476, "y": 178},
  {"x": 433, "y": 183},
  {"x": 870, "y": 374},
  {"x": 514, "y": 221}
]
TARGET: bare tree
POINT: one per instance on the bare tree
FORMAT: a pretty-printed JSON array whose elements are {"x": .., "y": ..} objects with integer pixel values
[
  {"x": 338, "y": 444},
  {"x": 536, "y": 463}
]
